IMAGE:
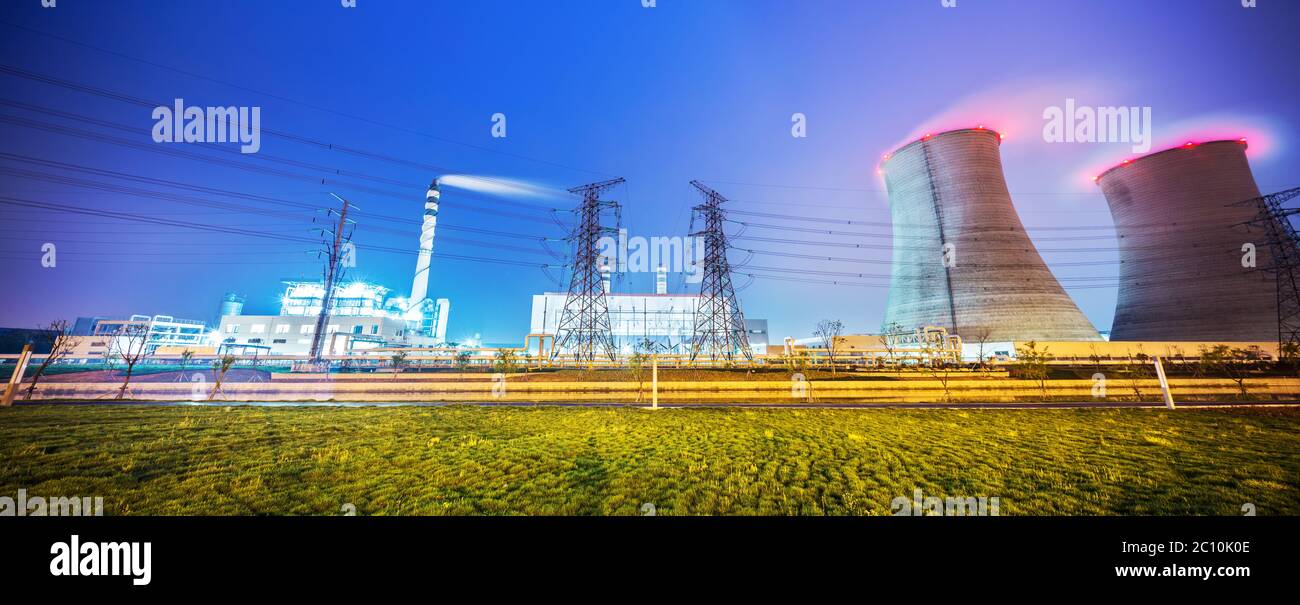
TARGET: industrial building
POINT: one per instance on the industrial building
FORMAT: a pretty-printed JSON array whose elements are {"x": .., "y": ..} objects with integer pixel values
[
  {"x": 96, "y": 336},
  {"x": 1183, "y": 239},
  {"x": 362, "y": 315},
  {"x": 666, "y": 320},
  {"x": 961, "y": 257},
  {"x": 292, "y": 334}
]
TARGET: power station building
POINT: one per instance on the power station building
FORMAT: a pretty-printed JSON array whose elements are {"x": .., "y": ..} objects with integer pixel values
[
  {"x": 1185, "y": 247},
  {"x": 961, "y": 257},
  {"x": 362, "y": 315},
  {"x": 666, "y": 320}
]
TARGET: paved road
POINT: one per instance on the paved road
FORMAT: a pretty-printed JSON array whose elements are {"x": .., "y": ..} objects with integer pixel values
[{"x": 821, "y": 406}]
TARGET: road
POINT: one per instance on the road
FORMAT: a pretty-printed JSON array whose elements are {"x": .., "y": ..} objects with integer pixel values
[{"x": 712, "y": 405}]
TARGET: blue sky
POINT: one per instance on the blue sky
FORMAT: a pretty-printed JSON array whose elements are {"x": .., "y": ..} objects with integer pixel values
[{"x": 703, "y": 89}]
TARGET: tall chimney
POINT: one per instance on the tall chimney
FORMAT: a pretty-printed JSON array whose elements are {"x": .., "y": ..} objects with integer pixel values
[
  {"x": 420, "y": 287},
  {"x": 661, "y": 280},
  {"x": 604, "y": 277}
]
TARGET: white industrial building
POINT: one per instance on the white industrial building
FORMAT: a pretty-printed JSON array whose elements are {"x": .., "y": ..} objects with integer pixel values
[
  {"x": 362, "y": 316},
  {"x": 293, "y": 334},
  {"x": 667, "y": 320},
  {"x": 94, "y": 337}
]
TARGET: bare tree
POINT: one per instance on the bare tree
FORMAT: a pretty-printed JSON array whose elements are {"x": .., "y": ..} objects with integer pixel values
[
  {"x": 1033, "y": 364},
  {"x": 1235, "y": 364},
  {"x": 888, "y": 339},
  {"x": 131, "y": 345},
  {"x": 57, "y": 337},
  {"x": 938, "y": 365},
  {"x": 830, "y": 330},
  {"x": 186, "y": 357},
  {"x": 638, "y": 361},
  {"x": 220, "y": 367},
  {"x": 981, "y": 334}
]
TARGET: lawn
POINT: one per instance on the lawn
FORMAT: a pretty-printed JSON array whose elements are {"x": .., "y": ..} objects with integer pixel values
[{"x": 481, "y": 460}]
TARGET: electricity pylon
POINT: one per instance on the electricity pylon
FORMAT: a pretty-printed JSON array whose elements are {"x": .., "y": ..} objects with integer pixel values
[
  {"x": 719, "y": 324},
  {"x": 1284, "y": 246},
  {"x": 584, "y": 325},
  {"x": 334, "y": 254}
]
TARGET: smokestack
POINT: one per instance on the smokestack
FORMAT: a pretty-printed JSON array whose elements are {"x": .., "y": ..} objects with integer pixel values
[
  {"x": 661, "y": 280},
  {"x": 604, "y": 277},
  {"x": 420, "y": 287}
]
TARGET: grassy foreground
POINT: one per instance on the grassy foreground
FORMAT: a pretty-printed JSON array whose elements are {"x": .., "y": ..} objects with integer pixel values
[{"x": 470, "y": 460}]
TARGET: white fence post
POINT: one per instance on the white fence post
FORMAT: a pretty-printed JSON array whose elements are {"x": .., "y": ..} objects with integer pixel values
[
  {"x": 654, "y": 381},
  {"x": 1164, "y": 384},
  {"x": 16, "y": 380}
]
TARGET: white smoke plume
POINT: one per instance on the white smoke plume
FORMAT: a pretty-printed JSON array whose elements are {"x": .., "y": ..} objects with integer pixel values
[{"x": 501, "y": 186}]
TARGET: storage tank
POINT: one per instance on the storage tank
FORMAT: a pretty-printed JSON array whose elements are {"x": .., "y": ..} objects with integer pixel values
[
  {"x": 961, "y": 257},
  {"x": 232, "y": 304},
  {"x": 1181, "y": 238}
]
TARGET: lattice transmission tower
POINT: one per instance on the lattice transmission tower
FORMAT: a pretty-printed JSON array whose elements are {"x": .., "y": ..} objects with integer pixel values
[
  {"x": 336, "y": 251},
  {"x": 584, "y": 328},
  {"x": 719, "y": 324},
  {"x": 1284, "y": 245}
]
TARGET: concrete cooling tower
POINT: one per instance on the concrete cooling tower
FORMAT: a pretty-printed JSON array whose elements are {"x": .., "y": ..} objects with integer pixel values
[
  {"x": 1181, "y": 244},
  {"x": 961, "y": 257}
]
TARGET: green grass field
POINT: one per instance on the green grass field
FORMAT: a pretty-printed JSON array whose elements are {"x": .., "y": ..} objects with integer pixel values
[{"x": 472, "y": 460}]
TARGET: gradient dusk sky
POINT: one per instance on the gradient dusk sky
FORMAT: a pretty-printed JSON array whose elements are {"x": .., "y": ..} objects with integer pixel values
[{"x": 688, "y": 89}]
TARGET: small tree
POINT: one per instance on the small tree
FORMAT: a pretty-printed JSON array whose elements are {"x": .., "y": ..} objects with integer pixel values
[
  {"x": 1095, "y": 358},
  {"x": 462, "y": 360},
  {"x": 638, "y": 361},
  {"x": 131, "y": 344},
  {"x": 890, "y": 340},
  {"x": 186, "y": 356},
  {"x": 981, "y": 334},
  {"x": 220, "y": 367},
  {"x": 938, "y": 367},
  {"x": 1235, "y": 364},
  {"x": 1138, "y": 369},
  {"x": 1288, "y": 355},
  {"x": 398, "y": 361},
  {"x": 57, "y": 337},
  {"x": 506, "y": 362},
  {"x": 829, "y": 331},
  {"x": 1033, "y": 364},
  {"x": 110, "y": 357}
]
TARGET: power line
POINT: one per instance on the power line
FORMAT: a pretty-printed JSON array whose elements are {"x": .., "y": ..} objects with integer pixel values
[
  {"x": 297, "y": 102},
  {"x": 18, "y": 72}
]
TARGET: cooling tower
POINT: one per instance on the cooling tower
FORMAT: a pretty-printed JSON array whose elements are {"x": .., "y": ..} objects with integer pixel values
[
  {"x": 1181, "y": 244},
  {"x": 961, "y": 257}
]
